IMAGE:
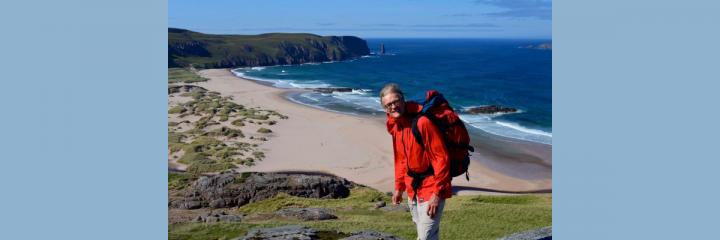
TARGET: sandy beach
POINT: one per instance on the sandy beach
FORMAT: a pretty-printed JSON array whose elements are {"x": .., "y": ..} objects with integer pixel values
[{"x": 359, "y": 148}]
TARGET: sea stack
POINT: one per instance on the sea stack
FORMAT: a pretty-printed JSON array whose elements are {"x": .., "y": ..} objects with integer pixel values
[{"x": 382, "y": 48}]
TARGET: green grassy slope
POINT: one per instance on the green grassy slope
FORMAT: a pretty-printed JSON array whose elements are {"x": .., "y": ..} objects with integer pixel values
[
  {"x": 200, "y": 50},
  {"x": 465, "y": 217}
]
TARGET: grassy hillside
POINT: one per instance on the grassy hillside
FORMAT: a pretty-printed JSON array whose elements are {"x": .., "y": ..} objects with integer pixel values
[
  {"x": 465, "y": 217},
  {"x": 200, "y": 50}
]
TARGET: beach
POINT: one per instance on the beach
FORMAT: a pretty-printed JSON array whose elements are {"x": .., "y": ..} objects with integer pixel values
[{"x": 358, "y": 148}]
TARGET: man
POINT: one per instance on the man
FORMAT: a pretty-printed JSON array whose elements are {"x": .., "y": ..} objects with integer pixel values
[{"x": 421, "y": 171}]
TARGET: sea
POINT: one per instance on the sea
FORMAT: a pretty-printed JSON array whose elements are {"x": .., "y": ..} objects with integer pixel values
[{"x": 468, "y": 72}]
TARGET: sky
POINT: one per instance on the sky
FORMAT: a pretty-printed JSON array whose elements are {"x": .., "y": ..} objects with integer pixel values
[{"x": 518, "y": 19}]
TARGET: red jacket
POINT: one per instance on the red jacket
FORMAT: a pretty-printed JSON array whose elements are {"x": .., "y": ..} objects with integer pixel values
[{"x": 406, "y": 148}]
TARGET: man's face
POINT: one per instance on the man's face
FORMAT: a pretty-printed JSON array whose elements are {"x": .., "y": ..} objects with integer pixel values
[{"x": 394, "y": 105}]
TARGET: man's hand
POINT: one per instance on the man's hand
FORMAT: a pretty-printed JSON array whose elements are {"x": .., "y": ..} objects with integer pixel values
[
  {"x": 397, "y": 197},
  {"x": 432, "y": 206}
]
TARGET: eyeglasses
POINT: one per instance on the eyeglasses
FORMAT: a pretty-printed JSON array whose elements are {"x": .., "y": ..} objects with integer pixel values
[{"x": 393, "y": 103}]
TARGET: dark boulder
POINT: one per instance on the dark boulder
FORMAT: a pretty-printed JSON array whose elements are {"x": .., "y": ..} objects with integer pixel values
[
  {"x": 491, "y": 109},
  {"x": 332, "y": 89},
  {"x": 282, "y": 233},
  {"x": 220, "y": 216},
  {"x": 231, "y": 189},
  {"x": 305, "y": 214},
  {"x": 370, "y": 235}
]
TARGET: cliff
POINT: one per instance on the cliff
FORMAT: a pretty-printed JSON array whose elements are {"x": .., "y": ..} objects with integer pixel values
[{"x": 200, "y": 50}]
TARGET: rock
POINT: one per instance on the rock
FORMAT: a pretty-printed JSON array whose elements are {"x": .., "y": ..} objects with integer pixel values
[
  {"x": 491, "y": 109},
  {"x": 370, "y": 235},
  {"x": 544, "y": 233},
  {"x": 379, "y": 204},
  {"x": 231, "y": 189},
  {"x": 396, "y": 208},
  {"x": 282, "y": 233},
  {"x": 219, "y": 216},
  {"x": 332, "y": 89},
  {"x": 190, "y": 205},
  {"x": 305, "y": 214}
]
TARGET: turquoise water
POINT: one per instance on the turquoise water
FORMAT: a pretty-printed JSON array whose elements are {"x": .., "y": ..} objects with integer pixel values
[{"x": 469, "y": 72}]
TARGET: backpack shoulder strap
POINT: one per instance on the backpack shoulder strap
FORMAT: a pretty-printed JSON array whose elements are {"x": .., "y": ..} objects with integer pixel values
[{"x": 416, "y": 131}]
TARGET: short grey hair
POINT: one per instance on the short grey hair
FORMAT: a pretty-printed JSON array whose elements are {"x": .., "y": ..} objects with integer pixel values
[{"x": 391, "y": 88}]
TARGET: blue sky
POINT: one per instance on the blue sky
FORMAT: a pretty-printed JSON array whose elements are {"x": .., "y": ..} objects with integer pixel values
[{"x": 368, "y": 18}]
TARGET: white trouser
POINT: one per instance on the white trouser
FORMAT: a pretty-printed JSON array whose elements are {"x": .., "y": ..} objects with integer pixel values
[{"x": 427, "y": 228}]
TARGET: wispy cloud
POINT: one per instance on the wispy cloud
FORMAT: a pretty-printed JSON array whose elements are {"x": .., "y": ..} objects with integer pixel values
[
  {"x": 540, "y": 9},
  {"x": 470, "y": 25},
  {"x": 419, "y": 26}
]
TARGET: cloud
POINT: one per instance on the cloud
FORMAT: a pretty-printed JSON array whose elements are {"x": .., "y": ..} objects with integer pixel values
[
  {"x": 419, "y": 26},
  {"x": 540, "y": 9},
  {"x": 471, "y": 25}
]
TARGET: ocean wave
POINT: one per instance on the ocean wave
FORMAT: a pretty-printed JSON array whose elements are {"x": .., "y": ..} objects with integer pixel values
[
  {"x": 355, "y": 91},
  {"x": 361, "y": 100},
  {"x": 506, "y": 129},
  {"x": 523, "y": 129},
  {"x": 309, "y": 84},
  {"x": 283, "y": 83}
]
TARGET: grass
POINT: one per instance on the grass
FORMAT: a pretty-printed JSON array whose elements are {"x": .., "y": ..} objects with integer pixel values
[
  {"x": 227, "y": 132},
  {"x": 178, "y": 181},
  {"x": 216, "y": 150},
  {"x": 176, "y": 110},
  {"x": 182, "y": 75},
  {"x": 464, "y": 217},
  {"x": 264, "y": 130},
  {"x": 238, "y": 122}
]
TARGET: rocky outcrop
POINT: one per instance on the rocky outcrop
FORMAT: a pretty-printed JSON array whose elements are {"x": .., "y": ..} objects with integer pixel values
[
  {"x": 187, "y": 48},
  {"x": 332, "y": 89},
  {"x": 491, "y": 109},
  {"x": 232, "y": 189},
  {"x": 370, "y": 235},
  {"x": 219, "y": 216},
  {"x": 305, "y": 214},
  {"x": 535, "y": 234},
  {"x": 282, "y": 233},
  {"x": 305, "y": 233}
]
